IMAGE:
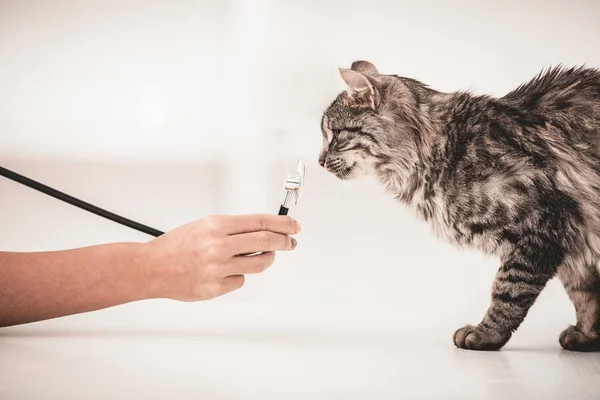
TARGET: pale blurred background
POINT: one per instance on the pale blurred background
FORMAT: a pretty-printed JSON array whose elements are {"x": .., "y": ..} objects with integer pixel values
[{"x": 168, "y": 111}]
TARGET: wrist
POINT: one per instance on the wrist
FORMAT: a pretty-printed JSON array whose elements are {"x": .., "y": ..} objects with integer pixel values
[
  {"x": 147, "y": 281},
  {"x": 151, "y": 266}
]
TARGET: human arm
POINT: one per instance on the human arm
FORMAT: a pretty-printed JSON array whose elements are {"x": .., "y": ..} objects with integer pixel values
[{"x": 196, "y": 261}]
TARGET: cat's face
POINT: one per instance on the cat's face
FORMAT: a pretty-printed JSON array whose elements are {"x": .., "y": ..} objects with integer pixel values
[
  {"x": 349, "y": 146},
  {"x": 353, "y": 126}
]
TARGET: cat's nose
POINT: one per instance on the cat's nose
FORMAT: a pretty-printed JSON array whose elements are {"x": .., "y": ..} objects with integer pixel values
[{"x": 322, "y": 163}]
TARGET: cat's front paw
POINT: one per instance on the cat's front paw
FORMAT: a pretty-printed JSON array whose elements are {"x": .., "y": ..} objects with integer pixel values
[
  {"x": 478, "y": 338},
  {"x": 574, "y": 339}
]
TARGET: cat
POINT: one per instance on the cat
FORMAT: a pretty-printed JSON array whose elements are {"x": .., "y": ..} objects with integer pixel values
[{"x": 517, "y": 177}]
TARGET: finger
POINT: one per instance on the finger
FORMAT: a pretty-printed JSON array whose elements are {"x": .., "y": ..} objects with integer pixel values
[
  {"x": 231, "y": 283},
  {"x": 250, "y": 264},
  {"x": 258, "y": 242},
  {"x": 237, "y": 224}
]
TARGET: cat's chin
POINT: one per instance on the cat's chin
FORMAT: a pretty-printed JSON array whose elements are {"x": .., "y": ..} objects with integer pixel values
[
  {"x": 353, "y": 174},
  {"x": 344, "y": 174}
]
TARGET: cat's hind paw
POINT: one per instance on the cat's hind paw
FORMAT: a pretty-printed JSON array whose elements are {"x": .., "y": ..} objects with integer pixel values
[
  {"x": 472, "y": 337},
  {"x": 573, "y": 339}
]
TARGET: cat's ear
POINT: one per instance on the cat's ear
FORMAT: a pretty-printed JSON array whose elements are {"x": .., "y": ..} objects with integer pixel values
[
  {"x": 364, "y": 67},
  {"x": 361, "y": 90}
]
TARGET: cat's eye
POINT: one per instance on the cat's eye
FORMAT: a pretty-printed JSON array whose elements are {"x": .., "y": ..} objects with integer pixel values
[{"x": 348, "y": 148}]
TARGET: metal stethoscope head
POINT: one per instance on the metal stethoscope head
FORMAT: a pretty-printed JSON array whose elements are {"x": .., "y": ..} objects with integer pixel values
[{"x": 293, "y": 185}]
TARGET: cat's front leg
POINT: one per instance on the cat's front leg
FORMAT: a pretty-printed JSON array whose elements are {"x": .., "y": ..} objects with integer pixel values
[{"x": 520, "y": 279}]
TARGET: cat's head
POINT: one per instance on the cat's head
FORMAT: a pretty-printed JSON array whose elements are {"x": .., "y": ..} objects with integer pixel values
[{"x": 368, "y": 125}]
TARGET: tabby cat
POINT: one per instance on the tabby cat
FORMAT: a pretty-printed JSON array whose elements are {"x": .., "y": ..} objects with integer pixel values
[{"x": 517, "y": 177}]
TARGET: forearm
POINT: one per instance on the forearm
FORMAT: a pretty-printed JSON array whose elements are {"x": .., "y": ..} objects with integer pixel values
[{"x": 43, "y": 285}]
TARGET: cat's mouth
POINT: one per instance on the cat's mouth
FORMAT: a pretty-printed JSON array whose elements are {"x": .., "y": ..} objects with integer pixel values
[{"x": 344, "y": 172}]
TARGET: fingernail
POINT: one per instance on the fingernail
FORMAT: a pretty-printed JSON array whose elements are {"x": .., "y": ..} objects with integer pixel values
[
  {"x": 297, "y": 225},
  {"x": 294, "y": 243}
]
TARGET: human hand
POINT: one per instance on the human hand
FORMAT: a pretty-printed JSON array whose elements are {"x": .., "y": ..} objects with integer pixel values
[{"x": 203, "y": 259}]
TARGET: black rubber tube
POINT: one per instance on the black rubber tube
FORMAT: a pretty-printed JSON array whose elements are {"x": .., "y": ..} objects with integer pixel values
[{"x": 79, "y": 203}]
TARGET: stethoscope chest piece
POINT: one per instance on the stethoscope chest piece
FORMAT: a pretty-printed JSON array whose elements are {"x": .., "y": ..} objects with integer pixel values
[{"x": 293, "y": 184}]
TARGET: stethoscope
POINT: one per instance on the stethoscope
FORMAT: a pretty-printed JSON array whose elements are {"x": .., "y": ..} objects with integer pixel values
[{"x": 293, "y": 184}]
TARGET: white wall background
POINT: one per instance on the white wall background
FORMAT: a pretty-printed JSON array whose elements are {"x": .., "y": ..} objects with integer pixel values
[
  {"x": 159, "y": 80},
  {"x": 168, "y": 111}
]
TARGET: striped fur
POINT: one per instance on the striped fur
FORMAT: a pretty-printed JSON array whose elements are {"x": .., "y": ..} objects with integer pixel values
[{"x": 517, "y": 177}]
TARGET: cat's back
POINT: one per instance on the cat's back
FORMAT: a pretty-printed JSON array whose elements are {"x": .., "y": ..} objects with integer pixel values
[
  {"x": 563, "y": 103},
  {"x": 559, "y": 90}
]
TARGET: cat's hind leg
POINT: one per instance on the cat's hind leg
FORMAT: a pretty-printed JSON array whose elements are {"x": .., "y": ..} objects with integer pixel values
[{"x": 583, "y": 287}]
